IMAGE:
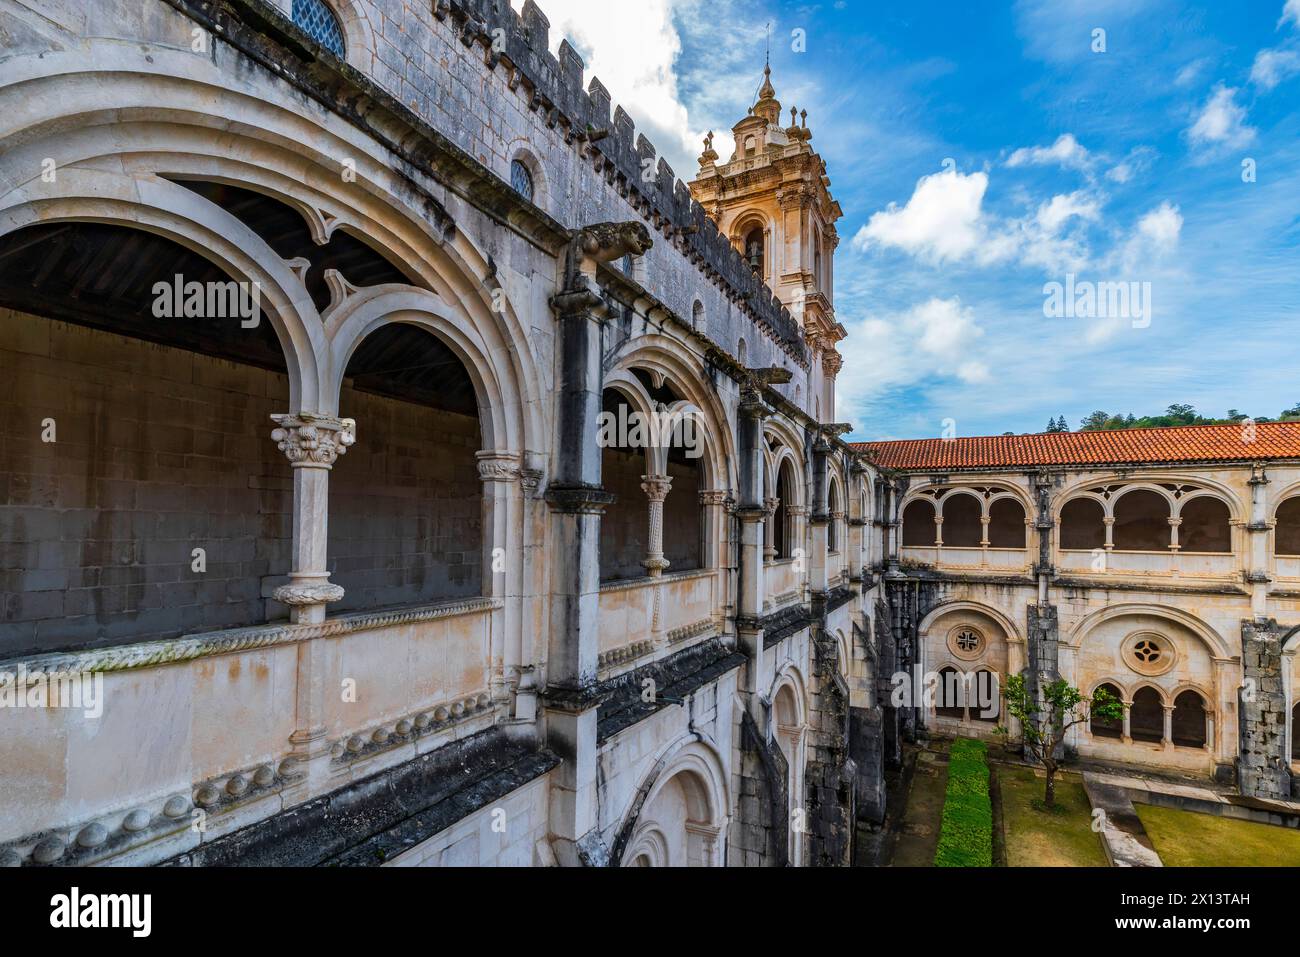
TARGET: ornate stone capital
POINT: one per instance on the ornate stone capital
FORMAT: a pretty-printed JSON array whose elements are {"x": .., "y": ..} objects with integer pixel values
[
  {"x": 832, "y": 362},
  {"x": 713, "y": 497},
  {"x": 656, "y": 487},
  {"x": 770, "y": 505},
  {"x": 498, "y": 466},
  {"x": 309, "y": 440}
]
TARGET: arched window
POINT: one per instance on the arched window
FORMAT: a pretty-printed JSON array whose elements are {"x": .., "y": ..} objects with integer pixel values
[
  {"x": 1188, "y": 724},
  {"x": 318, "y": 21},
  {"x": 1107, "y": 727},
  {"x": 1006, "y": 524},
  {"x": 1146, "y": 720},
  {"x": 918, "y": 523},
  {"x": 1286, "y": 536},
  {"x": 961, "y": 521},
  {"x": 697, "y": 315},
  {"x": 1142, "y": 522},
  {"x": 1205, "y": 526},
  {"x": 782, "y": 528},
  {"x": 754, "y": 252},
  {"x": 817, "y": 268},
  {"x": 984, "y": 702},
  {"x": 521, "y": 178},
  {"x": 833, "y": 526},
  {"x": 950, "y": 693},
  {"x": 1083, "y": 524}
]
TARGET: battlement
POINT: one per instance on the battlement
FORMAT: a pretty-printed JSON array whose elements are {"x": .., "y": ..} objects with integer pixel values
[{"x": 630, "y": 162}]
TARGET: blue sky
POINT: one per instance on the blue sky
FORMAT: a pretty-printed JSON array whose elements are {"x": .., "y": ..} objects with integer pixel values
[{"x": 980, "y": 151}]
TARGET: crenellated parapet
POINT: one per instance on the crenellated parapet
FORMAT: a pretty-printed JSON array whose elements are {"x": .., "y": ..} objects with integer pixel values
[{"x": 554, "y": 85}]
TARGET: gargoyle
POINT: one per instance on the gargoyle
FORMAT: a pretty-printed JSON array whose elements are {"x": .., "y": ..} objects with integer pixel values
[{"x": 607, "y": 242}]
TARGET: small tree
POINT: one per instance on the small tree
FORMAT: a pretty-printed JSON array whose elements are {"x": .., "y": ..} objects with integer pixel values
[{"x": 1043, "y": 724}]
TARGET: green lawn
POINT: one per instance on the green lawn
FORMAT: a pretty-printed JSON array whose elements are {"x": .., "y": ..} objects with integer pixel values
[
  {"x": 1188, "y": 839},
  {"x": 966, "y": 835},
  {"x": 1035, "y": 838}
]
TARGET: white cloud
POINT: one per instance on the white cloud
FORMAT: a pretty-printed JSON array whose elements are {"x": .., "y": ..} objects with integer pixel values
[
  {"x": 1161, "y": 228},
  {"x": 1221, "y": 122},
  {"x": 1188, "y": 74},
  {"x": 1139, "y": 159},
  {"x": 1066, "y": 152},
  {"x": 942, "y": 221},
  {"x": 634, "y": 49},
  {"x": 936, "y": 340},
  {"x": 1054, "y": 214},
  {"x": 1291, "y": 12},
  {"x": 1271, "y": 67}
]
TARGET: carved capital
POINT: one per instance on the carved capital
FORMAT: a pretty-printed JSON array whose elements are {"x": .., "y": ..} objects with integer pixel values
[
  {"x": 309, "y": 440},
  {"x": 656, "y": 487},
  {"x": 713, "y": 497},
  {"x": 497, "y": 466}
]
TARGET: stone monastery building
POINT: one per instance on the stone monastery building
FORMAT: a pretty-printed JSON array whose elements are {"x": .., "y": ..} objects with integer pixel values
[{"x": 430, "y": 476}]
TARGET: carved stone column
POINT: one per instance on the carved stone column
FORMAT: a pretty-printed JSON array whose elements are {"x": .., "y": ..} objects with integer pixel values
[
  {"x": 751, "y": 512},
  {"x": 656, "y": 488},
  {"x": 820, "y": 519},
  {"x": 770, "y": 506},
  {"x": 503, "y": 563},
  {"x": 713, "y": 502},
  {"x": 312, "y": 443}
]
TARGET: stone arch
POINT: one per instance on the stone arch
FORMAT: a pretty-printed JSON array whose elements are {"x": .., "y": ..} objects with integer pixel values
[
  {"x": 1142, "y": 514},
  {"x": 834, "y": 508},
  {"x": 1147, "y": 713},
  {"x": 789, "y": 728},
  {"x": 918, "y": 526},
  {"x": 693, "y": 765},
  {"x": 267, "y": 140},
  {"x": 962, "y": 510},
  {"x": 1205, "y": 523},
  {"x": 1214, "y": 643}
]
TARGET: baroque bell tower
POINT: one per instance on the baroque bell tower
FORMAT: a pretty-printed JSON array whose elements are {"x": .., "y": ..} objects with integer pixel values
[{"x": 772, "y": 200}]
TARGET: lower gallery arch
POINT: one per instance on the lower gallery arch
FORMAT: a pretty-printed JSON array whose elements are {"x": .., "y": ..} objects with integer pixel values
[
  {"x": 1188, "y": 722},
  {"x": 1103, "y": 727},
  {"x": 146, "y": 499},
  {"x": 406, "y": 519},
  {"x": 1147, "y": 716},
  {"x": 787, "y": 719},
  {"x": 918, "y": 523},
  {"x": 680, "y": 822},
  {"x": 624, "y": 525}
]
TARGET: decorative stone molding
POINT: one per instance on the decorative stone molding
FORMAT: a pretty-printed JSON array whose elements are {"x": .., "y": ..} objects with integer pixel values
[
  {"x": 163, "y": 821},
  {"x": 393, "y": 734},
  {"x": 309, "y": 440},
  {"x": 713, "y": 497},
  {"x": 705, "y": 628},
  {"x": 625, "y": 654},
  {"x": 496, "y": 466},
  {"x": 148, "y": 654}
]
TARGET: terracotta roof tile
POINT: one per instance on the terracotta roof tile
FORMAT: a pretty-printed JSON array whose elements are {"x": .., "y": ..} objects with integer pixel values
[{"x": 1193, "y": 443}]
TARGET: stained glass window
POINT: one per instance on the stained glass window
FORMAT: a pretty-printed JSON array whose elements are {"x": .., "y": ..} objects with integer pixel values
[
  {"x": 319, "y": 23},
  {"x": 521, "y": 180}
]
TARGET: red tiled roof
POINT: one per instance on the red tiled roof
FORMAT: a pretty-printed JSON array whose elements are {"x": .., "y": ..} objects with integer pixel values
[{"x": 1192, "y": 443}]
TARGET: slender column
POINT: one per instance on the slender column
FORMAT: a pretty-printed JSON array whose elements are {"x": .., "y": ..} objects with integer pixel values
[
  {"x": 312, "y": 443},
  {"x": 1128, "y": 736},
  {"x": 770, "y": 506},
  {"x": 1109, "y": 522},
  {"x": 1256, "y": 552},
  {"x": 503, "y": 564},
  {"x": 1167, "y": 741},
  {"x": 938, "y": 529},
  {"x": 713, "y": 501},
  {"x": 1174, "y": 523},
  {"x": 820, "y": 518},
  {"x": 656, "y": 488}
]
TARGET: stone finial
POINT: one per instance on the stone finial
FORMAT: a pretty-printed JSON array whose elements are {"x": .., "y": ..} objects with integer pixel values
[{"x": 309, "y": 440}]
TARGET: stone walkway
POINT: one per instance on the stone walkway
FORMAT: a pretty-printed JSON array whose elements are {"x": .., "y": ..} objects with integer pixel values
[
  {"x": 1122, "y": 834},
  {"x": 917, "y": 834}
]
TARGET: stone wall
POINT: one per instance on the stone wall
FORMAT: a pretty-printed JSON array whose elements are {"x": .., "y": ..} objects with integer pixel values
[
  {"x": 406, "y": 506},
  {"x": 158, "y": 451}
]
